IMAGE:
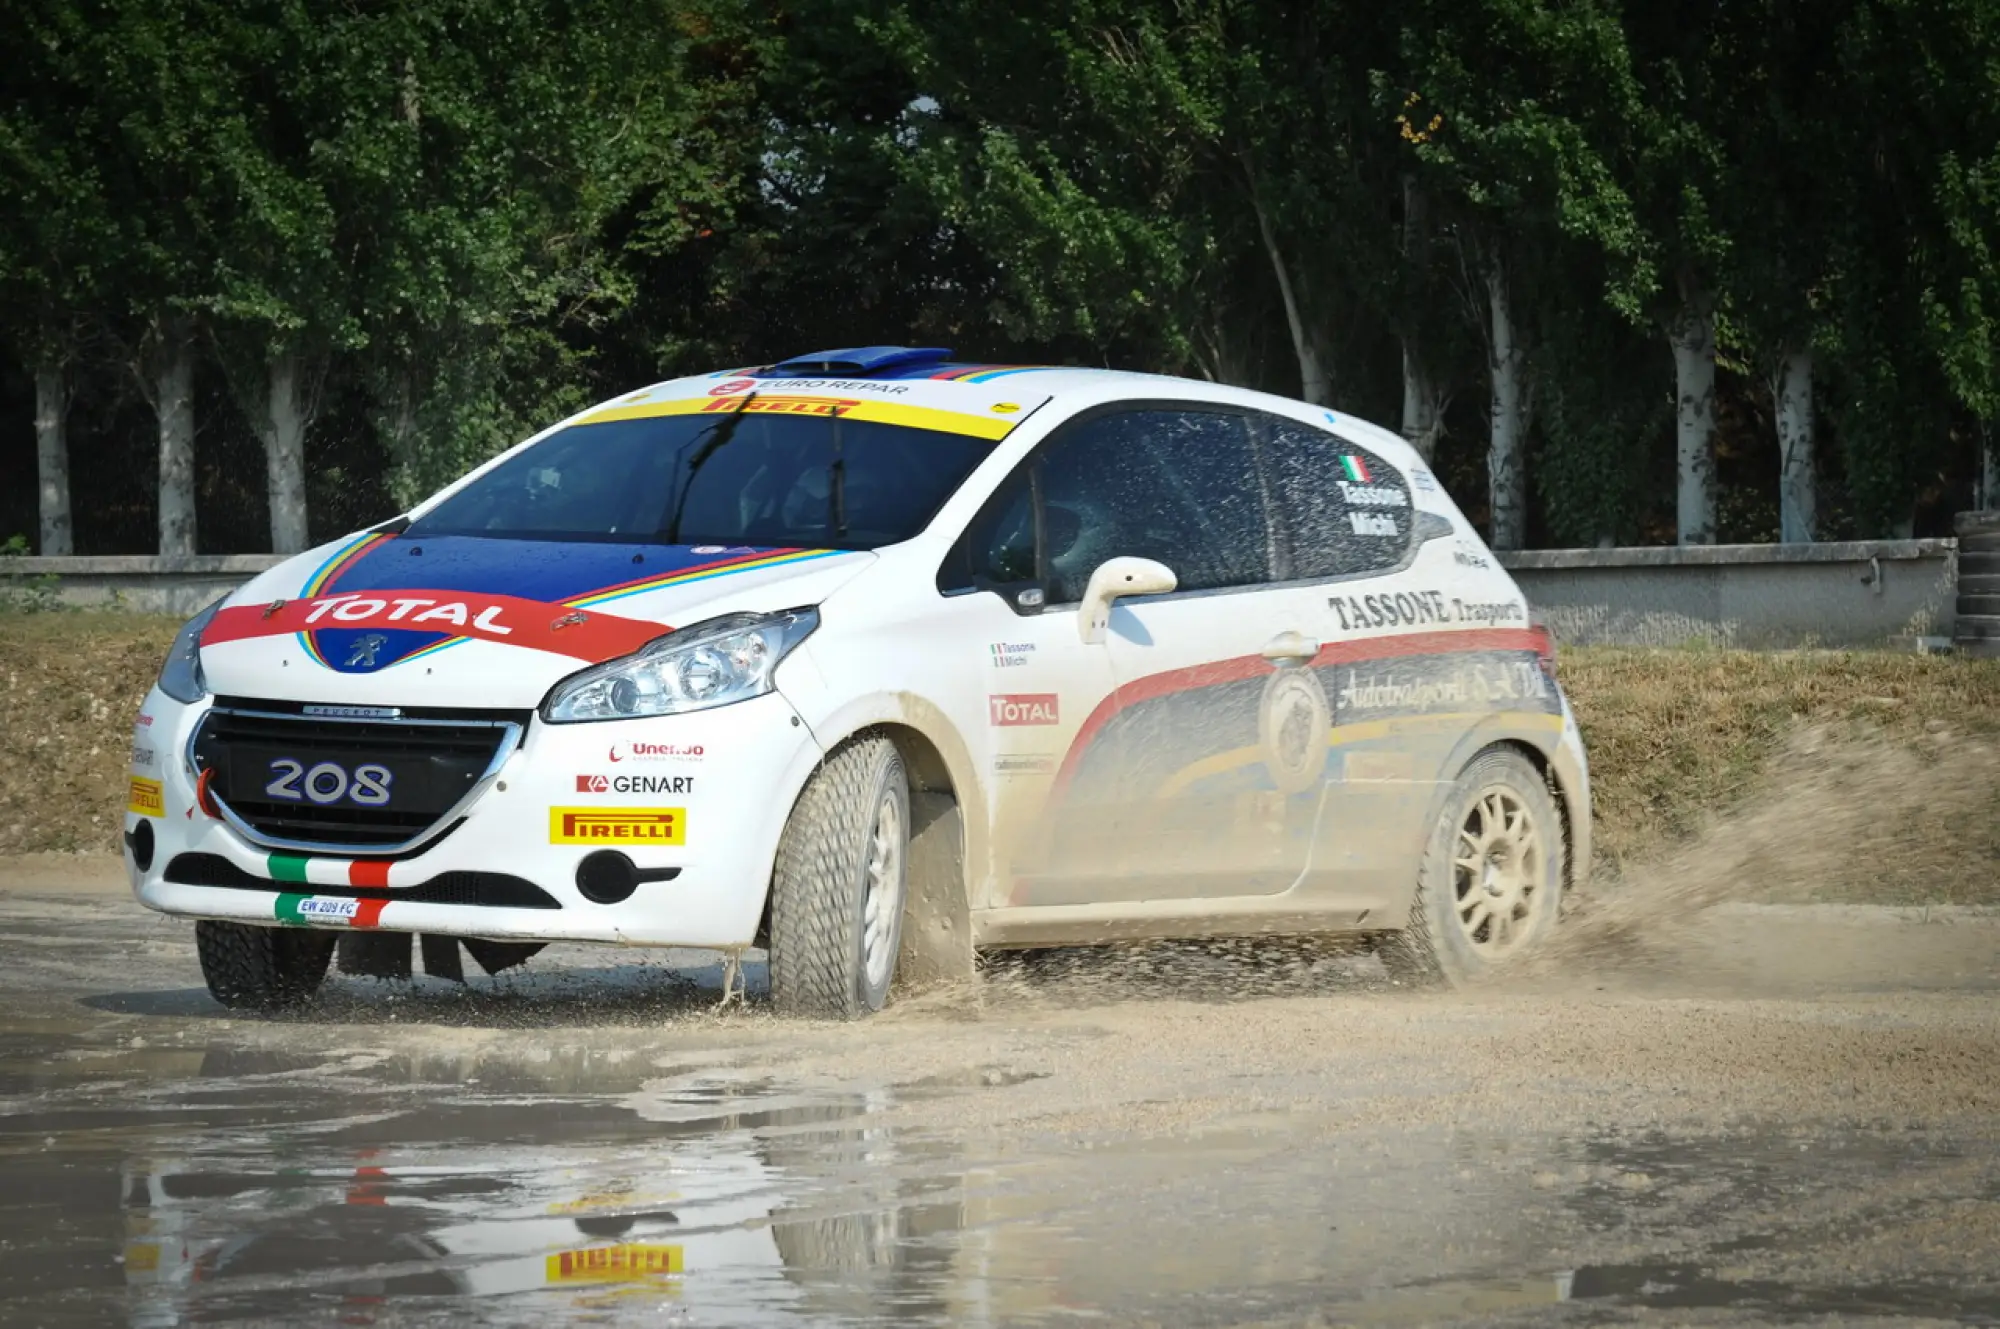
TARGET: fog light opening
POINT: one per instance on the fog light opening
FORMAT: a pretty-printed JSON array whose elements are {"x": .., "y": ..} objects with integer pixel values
[
  {"x": 139, "y": 840},
  {"x": 607, "y": 876}
]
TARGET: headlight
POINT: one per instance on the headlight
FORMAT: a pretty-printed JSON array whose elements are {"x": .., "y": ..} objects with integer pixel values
[
  {"x": 180, "y": 676},
  {"x": 711, "y": 664}
]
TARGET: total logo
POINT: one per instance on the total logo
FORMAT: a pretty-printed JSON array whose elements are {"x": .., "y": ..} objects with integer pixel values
[
  {"x": 1024, "y": 708},
  {"x": 359, "y": 608},
  {"x": 635, "y": 784},
  {"x": 641, "y": 751}
]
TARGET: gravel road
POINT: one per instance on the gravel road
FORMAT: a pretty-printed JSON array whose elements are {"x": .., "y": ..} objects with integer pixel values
[{"x": 1756, "y": 1113}]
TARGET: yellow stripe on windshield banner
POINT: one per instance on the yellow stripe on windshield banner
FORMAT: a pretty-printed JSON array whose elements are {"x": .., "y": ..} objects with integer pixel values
[{"x": 994, "y": 427}]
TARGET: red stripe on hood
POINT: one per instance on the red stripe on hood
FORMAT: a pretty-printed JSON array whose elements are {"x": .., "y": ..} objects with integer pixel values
[{"x": 589, "y": 635}]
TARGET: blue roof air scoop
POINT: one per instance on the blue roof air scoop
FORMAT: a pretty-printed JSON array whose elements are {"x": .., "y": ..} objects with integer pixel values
[{"x": 858, "y": 361}]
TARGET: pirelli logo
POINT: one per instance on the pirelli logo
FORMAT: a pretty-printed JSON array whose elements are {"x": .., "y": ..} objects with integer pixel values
[
  {"x": 145, "y": 797},
  {"x": 615, "y": 1264},
  {"x": 616, "y": 826},
  {"x": 783, "y": 405}
]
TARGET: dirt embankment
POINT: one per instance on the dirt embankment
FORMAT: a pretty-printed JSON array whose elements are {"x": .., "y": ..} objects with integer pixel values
[
  {"x": 70, "y": 688},
  {"x": 1888, "y": 759}
]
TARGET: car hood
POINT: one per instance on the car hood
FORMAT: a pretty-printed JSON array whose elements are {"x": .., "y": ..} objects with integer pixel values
[{"x": 466, "y": 621}]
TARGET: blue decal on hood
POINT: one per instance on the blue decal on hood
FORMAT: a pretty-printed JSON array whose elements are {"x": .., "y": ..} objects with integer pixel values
[{"x": 551, "y": 571}]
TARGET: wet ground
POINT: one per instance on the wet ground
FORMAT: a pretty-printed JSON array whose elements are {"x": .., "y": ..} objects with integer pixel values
[{"x": 1770, "y": 1114}]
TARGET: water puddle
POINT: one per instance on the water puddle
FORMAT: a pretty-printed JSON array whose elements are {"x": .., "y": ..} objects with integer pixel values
[{"x": 541, "y": 1181}]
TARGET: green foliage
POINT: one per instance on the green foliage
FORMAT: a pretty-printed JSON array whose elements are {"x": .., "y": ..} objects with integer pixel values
[
  {"x": 1602, "y": 410},
  {"x": 27, "y": 595},
  {"x": 465, "y": 218}
]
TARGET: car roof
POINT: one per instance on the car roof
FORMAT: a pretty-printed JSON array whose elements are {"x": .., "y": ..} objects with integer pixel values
[{"x": 934, "y": 366}]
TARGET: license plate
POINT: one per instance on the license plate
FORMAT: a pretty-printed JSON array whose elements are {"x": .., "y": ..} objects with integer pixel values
[{"x": 310, "y": 780}]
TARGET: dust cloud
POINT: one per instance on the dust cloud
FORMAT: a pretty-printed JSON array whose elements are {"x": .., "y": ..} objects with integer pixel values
[{"x": 1840, "y": 818}]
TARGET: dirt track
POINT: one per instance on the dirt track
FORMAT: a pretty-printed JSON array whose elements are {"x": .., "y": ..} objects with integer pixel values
[{"x": 1767, "y": 1111}]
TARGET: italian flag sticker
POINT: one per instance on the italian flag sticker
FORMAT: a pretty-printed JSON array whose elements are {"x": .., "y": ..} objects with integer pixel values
[
  {"x": 307, "y": 910},
  {"x": 1357, "y": 469},
  {"x": 328, "y": 871}
]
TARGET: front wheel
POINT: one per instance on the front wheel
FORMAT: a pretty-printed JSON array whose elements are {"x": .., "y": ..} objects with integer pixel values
[
  {"x": 838, "y": 889},
  {"x": 1490, "y": 885},
  {"x": 261, "y": 968}
]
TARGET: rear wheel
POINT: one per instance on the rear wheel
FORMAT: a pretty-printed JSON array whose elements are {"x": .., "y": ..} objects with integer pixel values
[
  {"x": 1490, "y": 885},
  {"x": 838, "y": 889},
  {"x": 261, "y": 968}
]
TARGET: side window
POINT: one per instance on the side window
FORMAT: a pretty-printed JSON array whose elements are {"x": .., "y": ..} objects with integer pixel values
[
  {"x": 1179, "y": 486},
  {"x": 1345, "y": 510},
  {"x": 1001, "y": 540}
]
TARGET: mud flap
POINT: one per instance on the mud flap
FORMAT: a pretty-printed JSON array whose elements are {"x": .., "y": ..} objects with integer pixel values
[
  {"x": 493, "y": 956},
  {"x": 387, "y": 954},
  {"x": 441, "y": 958},
  {"x": 374, "y": 954}
]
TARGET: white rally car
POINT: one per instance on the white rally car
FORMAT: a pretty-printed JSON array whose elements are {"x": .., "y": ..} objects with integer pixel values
[{"x": 876, "y": 659}]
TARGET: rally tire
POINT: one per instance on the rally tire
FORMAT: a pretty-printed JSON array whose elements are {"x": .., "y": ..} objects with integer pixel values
[
  {"x": 855, "y": 807},
  {"x": 1438, "y": 946},
  {"x": 261, "y": 968}
]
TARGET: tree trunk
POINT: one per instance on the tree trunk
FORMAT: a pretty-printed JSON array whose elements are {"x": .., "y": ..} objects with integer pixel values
[
  {"x": 1508, "y": 360},
  {"x": 1798, "y": 490},
  {"x": 1314, "y": 384},
  {"x": 52, "y": 459},
  {"x": 1693, "y": 339},
  {"x": 284, "y": 428},
  {"x": 174, "y": 404},
  {"x": 1989, "y": 467},
  {"x": 1423, "y": 404}
]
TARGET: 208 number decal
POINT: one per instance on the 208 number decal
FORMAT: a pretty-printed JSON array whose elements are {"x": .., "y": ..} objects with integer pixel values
[{"x": 329, "y": 783}]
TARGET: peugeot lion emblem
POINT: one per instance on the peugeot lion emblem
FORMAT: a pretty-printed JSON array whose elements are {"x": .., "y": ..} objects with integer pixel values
[{"x": 362, "y": 652}]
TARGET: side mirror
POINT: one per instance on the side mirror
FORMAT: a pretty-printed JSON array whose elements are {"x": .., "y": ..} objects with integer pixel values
[{"x": 1114, "y": 579}]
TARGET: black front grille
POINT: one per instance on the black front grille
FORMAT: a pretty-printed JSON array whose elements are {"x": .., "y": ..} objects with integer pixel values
[
  {"x": 260, "y": 757},
  {"x": 495, "y": 890}
]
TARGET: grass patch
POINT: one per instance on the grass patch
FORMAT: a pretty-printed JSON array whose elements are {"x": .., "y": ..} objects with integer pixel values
[{"x": 1676, "y": 738}]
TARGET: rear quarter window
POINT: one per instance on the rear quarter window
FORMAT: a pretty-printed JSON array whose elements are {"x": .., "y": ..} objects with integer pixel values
[{"x": 1345, "y": 510}]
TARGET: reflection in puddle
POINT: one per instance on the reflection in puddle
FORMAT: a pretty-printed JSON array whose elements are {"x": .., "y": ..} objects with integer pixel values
[
  {"x": 733, "y": 1200},
  {"x": 539, "y": 1184},
  {"x": 1686, "y": 1287}
]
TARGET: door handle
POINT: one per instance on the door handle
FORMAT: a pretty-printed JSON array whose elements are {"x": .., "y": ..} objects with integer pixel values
[{"x": 1290, "y": 648}]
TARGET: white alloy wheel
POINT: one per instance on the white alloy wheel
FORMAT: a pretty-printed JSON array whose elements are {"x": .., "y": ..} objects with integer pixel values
[
  {"x": 882, "y": 913},
  {"x": 1490, "y": 884},
  {"x": 1496, "y": 870}
]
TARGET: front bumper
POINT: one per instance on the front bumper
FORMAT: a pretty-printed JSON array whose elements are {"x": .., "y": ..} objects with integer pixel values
[{"x": 755, "y": 757}]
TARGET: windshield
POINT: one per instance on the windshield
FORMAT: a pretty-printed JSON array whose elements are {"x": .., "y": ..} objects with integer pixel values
[{"x": 745, "y": 478}]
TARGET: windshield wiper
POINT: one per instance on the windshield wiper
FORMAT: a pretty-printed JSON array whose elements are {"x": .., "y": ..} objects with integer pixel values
[
  {"x": 836, "y": 485},
  {"x": 724, "y": 430}
]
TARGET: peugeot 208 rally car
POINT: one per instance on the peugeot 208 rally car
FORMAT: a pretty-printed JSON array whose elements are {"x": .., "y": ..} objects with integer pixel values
[{"x": 876, "y": 659}]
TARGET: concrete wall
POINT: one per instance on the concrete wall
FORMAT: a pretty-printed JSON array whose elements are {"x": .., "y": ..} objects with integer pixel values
[
  {"x": 140, "y": 583},
  {"x": 1862, "y": 593},
  {"x": 1871, "y": 593}
]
